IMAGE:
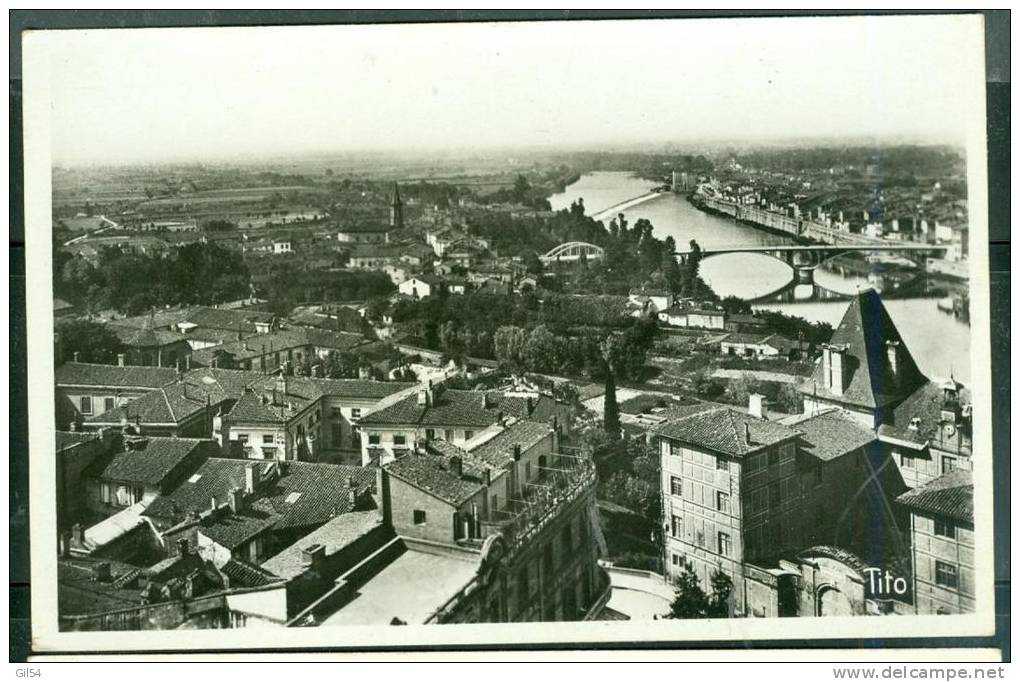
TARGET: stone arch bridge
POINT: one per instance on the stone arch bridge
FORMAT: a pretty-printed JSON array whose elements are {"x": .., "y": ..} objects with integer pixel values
[{"x": 805, "y": 258}]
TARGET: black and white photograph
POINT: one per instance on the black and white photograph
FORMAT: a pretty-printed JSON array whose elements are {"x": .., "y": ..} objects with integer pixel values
[{"x": 635, "y": 330}]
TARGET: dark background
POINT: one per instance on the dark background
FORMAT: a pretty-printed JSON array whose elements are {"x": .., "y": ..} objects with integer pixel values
[{"x": 997, "y": 61}]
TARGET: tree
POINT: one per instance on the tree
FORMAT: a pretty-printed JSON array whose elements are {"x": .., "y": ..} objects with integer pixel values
[
  {"x": 611, "y": 410},
  {"x": 691, "y": 600},
  {"x": 92, "y": 341},
  {"x": 532, "y": 264},
  {"x": 508, "y": 344}
]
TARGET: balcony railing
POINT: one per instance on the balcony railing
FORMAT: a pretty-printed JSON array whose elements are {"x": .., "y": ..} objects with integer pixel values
[{"x": 540, "y": 500}]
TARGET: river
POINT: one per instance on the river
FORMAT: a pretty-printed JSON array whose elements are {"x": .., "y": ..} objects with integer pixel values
[{"x": 936, "y": 339}]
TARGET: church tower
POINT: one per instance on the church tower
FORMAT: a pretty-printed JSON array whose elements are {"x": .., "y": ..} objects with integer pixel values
[{"x": 396, "y": 209}]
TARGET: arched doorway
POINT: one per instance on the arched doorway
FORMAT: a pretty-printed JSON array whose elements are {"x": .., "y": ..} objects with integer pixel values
[{"x": 831, "y": 602}]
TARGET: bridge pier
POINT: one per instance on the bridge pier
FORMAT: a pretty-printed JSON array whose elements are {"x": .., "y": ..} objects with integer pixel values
[{"x": 805, "y": 274}]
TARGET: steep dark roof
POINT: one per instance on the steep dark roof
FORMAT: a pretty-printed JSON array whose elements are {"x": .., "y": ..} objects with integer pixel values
[
  {"x": 145, "y": 337},
  {"x": 79, "y": 594},
  {"x": 865, "y": 330},
  {"x": 723, "y": 430},
  {"x": 950, "y": 495},
  {"x": 359, "y": 388},
  {"x": 831, "y": 435},
  {"x": 153, "y": 460},
  {"x": 432, "y": 472},
  {"x": 87, "y": 374},
  {"x": 334, "y": 535},
  {"x": 262, "y": 406}
]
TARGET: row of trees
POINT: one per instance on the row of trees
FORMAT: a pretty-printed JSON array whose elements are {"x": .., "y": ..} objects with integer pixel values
[{"x": 194, "y": 274}]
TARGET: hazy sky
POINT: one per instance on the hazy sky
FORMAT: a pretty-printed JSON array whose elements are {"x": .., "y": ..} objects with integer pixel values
[{"x": 154, "y": 94}]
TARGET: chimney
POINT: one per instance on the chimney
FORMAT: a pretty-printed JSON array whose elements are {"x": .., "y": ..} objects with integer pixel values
[
  {"x": 757, "y": 406},
  {"x": 517, "y": 452},
  {"x": 487, "y": 476},
  {"x": 456, "y": 466},
  {"x": 530, "y": 405},
  {"x": 120, "y": 359},
  {"x": 236, "y": 500},
  {"x": 73, "y": 426},
  {"x": 892, "y": 352},
  {"x": 350, "y": 482},
  {"x": 251, "y": 478},
  {"x": 187, "y": 362},
  {"x": 423, "y": 397},
  {"x": 76, "y": 356},
  {"x": 747, "y": 433},
  {"x": 915, "y": 423},
  {"x": 212, "y": 504},
  {"x": 183, "y": 547},
  {"x": 835, "y": 373},
  {"x": 313, "y": 555}
]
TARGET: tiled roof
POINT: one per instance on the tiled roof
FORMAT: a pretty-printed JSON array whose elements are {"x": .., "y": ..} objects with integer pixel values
[
  {"x": 334, "y": 535},
  {"x": 358, "y": 388},
  {"x": 280, "y": 341},
  {"x": 263, "y": 405},
  {"x": 231, "y": 319},
  {"x": 723, "y": 430},
  {"x": 450, "y": 407},
  {"x": 864, "y": 330},
  {"x": 233, "y": 530},
  {"x": 152, "y": 460},
  {"x": 178, "y": 401},
  {"x": 145, "y": 337},
  {"x": 68, "y": 439},
  {"x": 244, "y": 574},
  {"x": 87, "y": 374},
  {"x": 831, "y": 435},
  {"x": 323, "y": 493},
  {"x": 950, "y": 495},
  {"x": 498, "y": 450},
  {"x": 431, "y": 471},
  {"x": 79, "y": 594}
]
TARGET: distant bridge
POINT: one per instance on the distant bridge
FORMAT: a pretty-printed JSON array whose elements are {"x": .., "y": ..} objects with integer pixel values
[
  {"x": 572, "y": 251},
  {"x": 804, "y": 259}
]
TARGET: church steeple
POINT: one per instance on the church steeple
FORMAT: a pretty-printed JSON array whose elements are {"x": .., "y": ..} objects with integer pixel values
[{"x": 396, "y": 209}]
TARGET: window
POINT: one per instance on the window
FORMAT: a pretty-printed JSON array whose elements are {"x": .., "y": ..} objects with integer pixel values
[
  {"x": 355, "y": 413},
  {"x": 907, "y": 462},
  {"x": 774, "y": 494},
  {"x": 948, "y": 464},
  {"x": 676, "y": 486},
  {"x": 267, "y": 439},
  {"x": 137, "y": 493},
  {"x": 773, "y": 457},
  {"x": 104, "y": 492},
  {"x": 724, "y": 546},
  {"x": 722, "y": 502},
  {"x": 468, "y": 435},
  {"x": 108, "y": 404},
  {"x": 665, "y": 447},
  {"x": 242, "y": 438},
  {"x": 819, "y": 474},
  {"x": 373, "y": 439},
  {"x": 448, "y": 435},
  {"x": 86, "y": 404},
  {"x": 419, "y": 517},
  {"x": 430, "y": 434},
  {"x": 946, "y": 575},
  {"x": 400, "y": 440},
  {"x": 527, "y": 471},
  {"x": 946, "y": 529},
  {"x": 677, "y": 527},
  {"x": 721, "y": 464},
  {"x": 677, "y": 559}
]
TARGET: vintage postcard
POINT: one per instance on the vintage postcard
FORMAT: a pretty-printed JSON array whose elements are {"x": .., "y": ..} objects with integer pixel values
[{"x": 508, "y": 333}]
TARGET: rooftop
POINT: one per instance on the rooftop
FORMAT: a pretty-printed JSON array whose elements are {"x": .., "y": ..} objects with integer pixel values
[
  {"x": 410, "y": 588},
  {"x": 925, "y": 405},
  {"x": 725, "y": 430},
  {"x": 496, "y": 449},
  {"x": 865, "y": 331},
  {"x": 451, "y": 407},
  {"x": 323, "y": 491},
  {"x": 89, "y": 374},
  {"x": 79, "y": 593},
  {"x": 150, "y": 461},
  {"x": 950, "y": 495},
  {"x": 433, "y": 472},
  {"x": 830, "y": 435},
  {"x": 333, "y": 535}
]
